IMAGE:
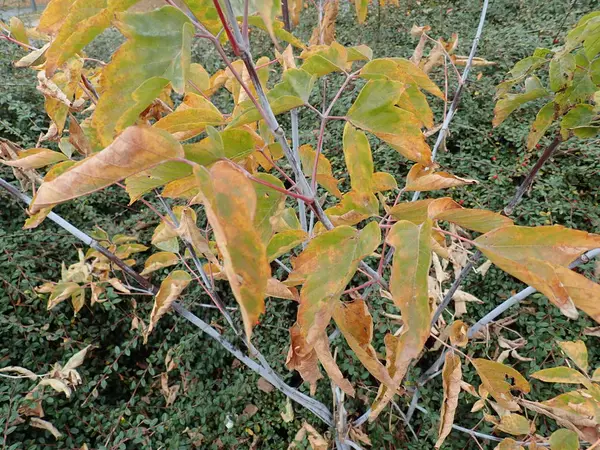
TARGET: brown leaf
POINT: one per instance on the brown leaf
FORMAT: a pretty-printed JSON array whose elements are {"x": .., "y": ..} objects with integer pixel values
[
  {"x": 303, "y": 358},
  {"x": 169, "y": 291},
  {"x": 330, "y": 366},
  {"x": 264, "y": 385},
  {"x": 325, "y": 33}
]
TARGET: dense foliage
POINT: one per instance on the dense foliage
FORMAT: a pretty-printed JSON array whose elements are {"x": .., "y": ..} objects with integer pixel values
[{"x": 124, "y": 370}]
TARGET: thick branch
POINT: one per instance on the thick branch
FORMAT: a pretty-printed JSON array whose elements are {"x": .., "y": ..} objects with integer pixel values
[{"x": 534, "y": 170}]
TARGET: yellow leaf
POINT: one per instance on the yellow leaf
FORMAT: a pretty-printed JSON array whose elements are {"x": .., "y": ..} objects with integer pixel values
[
  {"x": 508, "y": 444},
  {"x": 495, "y": 378},
  {"x": 189, "y": 232},
  {"x": 356, "y": 324},
  {"x": 159, "y": 261},
  {"x": 451, "y": 375},
  {"x": 324, "y": 33},
  {"x": 577, "y": 352},
  {"x": 560, "y": 375},
  {"x": 169, "y": 291},
  {"x": 421, "y": 178},
  {"x": 137, "y": 149},
  {"x": 230, "y": 202},
  {"x": 35, "y": 158}
]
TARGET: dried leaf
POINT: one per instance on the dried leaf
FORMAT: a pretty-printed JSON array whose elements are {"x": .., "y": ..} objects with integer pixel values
[
  {"x": 421, "y": 178},
  {"x": 20, "y": 371},
  {"x": 500, "y": 380},
  {"x": 451, "y": 375},
  {"x": 169, "y": 291},
  {"x": 45, "y": 425}
]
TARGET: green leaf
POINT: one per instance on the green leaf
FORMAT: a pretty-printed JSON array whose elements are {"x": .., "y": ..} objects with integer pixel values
[
  {"x": 283, "y": 242},
  {"x": 137, "y": 149},
  {"x": 17, "y": 30},
  {"x": 509, "y": 102},
  {"x": 84, "y": 20},
  {"x": 268, "y": 203},
  {"x": 413, "y": 100},
  {"x": 408, "y": 286},
  {"x": 324, "y": 268},
  {"x": 562, "y": 68},
  {"x": 519, "y": 72},
  {"x": 354, "y": 207},
  {"x": 230, "y": 202},
  {"x": 157, "y": 52},
  {"x": 35, "y": 158},
  {"x": 191, "y": 118},
  {"x": 143, "y": 182},
  {"x": 579, "y": 122},
  {"x": 500, "y": 380},
  {"x": 233, "y": 144},
  {"x": 560, "y": 375},
  {"x": 564, "y": 439},
  {"x": 359, "y": 161},
  {"x": 374, "y": 110},
  {"x": 542, "y": 122},
  {"x": 292, "y": 92},
  {"x": 322, "y": 59}
]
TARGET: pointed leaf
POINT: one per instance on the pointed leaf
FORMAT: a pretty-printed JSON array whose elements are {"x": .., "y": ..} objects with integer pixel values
[
  {"x": 76, "y": 360},
  {"x": 452, "y": 376},
  {"x": 324, "y": 172},
  {"x": 268, "y": 203},
  {"x": 321, "y": 60},
  {"x": 515, "y": 424},
  {"x": 560, "y": 375},
  {"x": 500, "y": 380},
  {"x": 138, "y": 148},
  {"x": 188, "y": 231},
  {"x": 159, "y": 261},
  {"x": 421, "y": 178},
  {"x": 326, "y": 359},
  {"x": 169, "y": 291},
  {"x": 230, "y": 202},
  {"x": 374, "y": 110},
  {"x": 409, "y": 288},
  {"x": 35, "y": 158},
  {"x": 356, "y": 324},
  {"x": 144, "y": 182},
  {"x": 45, "y": 425},
  {"x": 403, "y": 70}
]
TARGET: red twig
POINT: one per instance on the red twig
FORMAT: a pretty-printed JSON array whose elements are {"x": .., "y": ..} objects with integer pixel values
[{"x": 234, "y": 44}]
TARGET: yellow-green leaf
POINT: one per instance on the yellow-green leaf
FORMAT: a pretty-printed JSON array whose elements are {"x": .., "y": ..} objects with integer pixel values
[
  {"x": 35, "y": 158},
  {"x": 361, "y": 9},
  {"x": 403, "y": 70},
  {"x": 138, "y": 148},
  {"x": 325, "y": 267},
  {"x": 159, "y": 261},
  {"x": 577, "y": 352},
  {"x": 509, "y": 102},
  {"x": 230, "y": 202},
  {"x": 564, "y": 439},
  {"x": 320, "y": 60},
  {"x": 375, "y": 111},
  {"x": 353, "y": 208},
  {"x": 451, "y": 376},
  {"x": 408, "y": 285},
  {"x": 84, "y": 20},
  {"x": 515, "y": 424},
  {"x": 542, "y": 122},
  {"x": 17, "y": 30},
  {"x": 560, "y": 375},
  {"x": 169, "y": 291},
  {"x": 268, "y": 10},
  {"x": 283, "y": 242},
  {"x": 61, "y": 292},
  {"x": 413, "y": 100},
  {"x": 157, "y": 52},
  {"x": 500, "y": 380},
  {"x": 268, "y": 203},
  {"x": 188, "y": 122},
  {"x": 144, "y": 182},
  {"x": 206, "y": 13}
]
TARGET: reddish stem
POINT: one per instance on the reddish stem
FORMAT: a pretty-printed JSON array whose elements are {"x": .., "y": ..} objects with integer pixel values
[{"x": 234, "y": 44}]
